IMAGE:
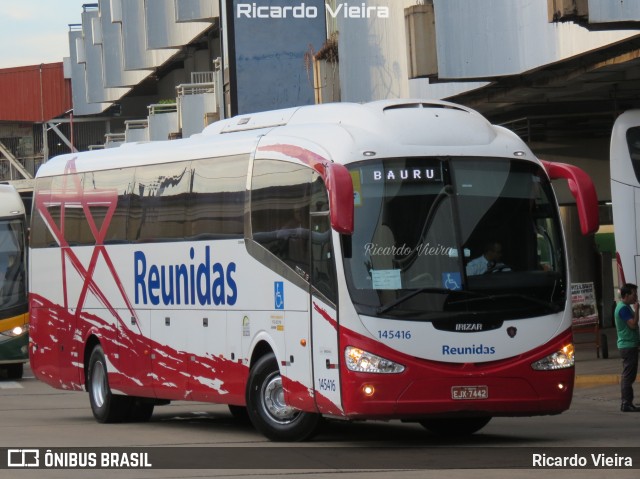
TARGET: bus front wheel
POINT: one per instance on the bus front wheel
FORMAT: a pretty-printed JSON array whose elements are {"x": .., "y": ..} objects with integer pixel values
[
  {"x": 455, "y": 427},
  {"x": 14, "y": 371},
  {"x": 267, "y": 409},
  {"x": 106, "y": 406}
]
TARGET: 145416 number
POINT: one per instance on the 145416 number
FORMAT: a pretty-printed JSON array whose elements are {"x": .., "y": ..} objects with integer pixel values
[{"x": 394, "y": 334}]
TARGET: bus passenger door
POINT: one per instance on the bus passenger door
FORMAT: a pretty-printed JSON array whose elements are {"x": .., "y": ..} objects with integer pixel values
[{"x": 324, "y": 316}]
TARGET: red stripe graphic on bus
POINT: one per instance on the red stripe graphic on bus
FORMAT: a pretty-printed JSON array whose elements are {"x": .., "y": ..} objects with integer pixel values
[
  {"x": 74, "y": 196},
  {"x": 308, "y": 157},
  {"x": 210, "y": 378},
  {"x": 326, "y": 316}
]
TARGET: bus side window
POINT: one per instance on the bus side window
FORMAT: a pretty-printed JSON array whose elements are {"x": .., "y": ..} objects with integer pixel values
[
  {"x": 633, "y": 142},
  {"x": 115, "y": 185},
  {"x": 161, "y": 193},
  {"x": 76, "y": 226},
  {"x": 40, "y": 234},
  {"x": 280, "y": 197},
  {"x": 75, "y": 230},
  {"x": 216, "y": 202},
  {"x": 323, "y": 274}
]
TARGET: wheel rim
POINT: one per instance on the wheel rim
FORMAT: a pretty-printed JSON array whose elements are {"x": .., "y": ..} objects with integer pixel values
[
  {"x": 98, "y": 384},
  {"x": 273, "y": 403}
]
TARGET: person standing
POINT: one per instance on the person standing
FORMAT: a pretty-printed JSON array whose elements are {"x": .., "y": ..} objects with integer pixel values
[{"x": 626, "y": 319}]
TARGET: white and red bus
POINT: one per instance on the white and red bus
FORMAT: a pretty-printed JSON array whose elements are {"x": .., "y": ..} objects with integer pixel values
[
  {"x": 309, "y": 262},
  {"x": 625, "y": 193}
]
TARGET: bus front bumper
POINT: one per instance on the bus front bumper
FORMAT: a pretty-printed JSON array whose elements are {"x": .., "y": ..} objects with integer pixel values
[
  {"x": 14, "y": 349},
  {"x": 550, "y": 393}
]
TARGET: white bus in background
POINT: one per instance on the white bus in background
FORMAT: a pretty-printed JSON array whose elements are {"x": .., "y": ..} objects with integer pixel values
[
  {"x": 308, "y": 263},
  {"x": 14, "y": 313},
  {"x": 625, "y": 193}
]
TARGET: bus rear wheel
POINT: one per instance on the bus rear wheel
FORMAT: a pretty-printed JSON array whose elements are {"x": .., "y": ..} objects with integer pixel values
[
  {"x": 106, "y": 406},
  {"x": 455, "y": 427},
  {"x": 140, "y": 409},
  {"x": 267, "y": 409}
]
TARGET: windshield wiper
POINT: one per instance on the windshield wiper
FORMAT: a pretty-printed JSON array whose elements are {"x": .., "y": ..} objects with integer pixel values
[
  {"x": 386, "y": 307},
  {"x": 494, "y": 297}
]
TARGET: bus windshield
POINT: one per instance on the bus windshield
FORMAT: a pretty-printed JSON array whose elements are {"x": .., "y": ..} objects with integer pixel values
[
  {"x": 12, "y": 267},
  {"x": 454, "y": 239}
]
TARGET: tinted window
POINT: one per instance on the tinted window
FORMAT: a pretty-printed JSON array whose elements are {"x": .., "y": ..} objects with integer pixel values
[
  {"x": 40, "y": 236},
  {"x": 427, "y": 230},
  {"x": 216, "y": 204},
  {"x": 159, "y": 202},
  {"x": 322, "y": 262},
  {"x": 280, "y": 199},
  {"x": 76, "y": 227},
  {"x": 108, "y": 194},
  {"x": 12, "y": 268},
  {"x": 175, "y": 201},
  {"x": 59, "y": 214},
  {"x": 633, "y": 142}
]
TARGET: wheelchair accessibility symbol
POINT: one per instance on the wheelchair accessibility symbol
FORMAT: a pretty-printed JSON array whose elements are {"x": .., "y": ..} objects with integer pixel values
[
  {"x": 278, "y": 294},
  {"x": 452, "y": 280}
]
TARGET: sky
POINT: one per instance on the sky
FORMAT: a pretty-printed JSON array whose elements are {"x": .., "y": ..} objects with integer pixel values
[{"x": 36, "y": 31}]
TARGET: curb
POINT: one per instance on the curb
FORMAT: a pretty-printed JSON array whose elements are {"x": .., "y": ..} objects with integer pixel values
[{"x": 589, "y": 380}]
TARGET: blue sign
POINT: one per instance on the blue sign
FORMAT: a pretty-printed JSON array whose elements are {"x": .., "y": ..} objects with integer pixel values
[
  {"x": 278, "y": 295},
  {"x": 272, "y": 42},
  {"x": 452, "y": 280}
]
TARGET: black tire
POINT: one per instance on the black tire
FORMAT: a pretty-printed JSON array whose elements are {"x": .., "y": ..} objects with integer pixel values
[
  {"x": 106, "y": 406},
  {"x": 455, "y": 427},
  {"x": 14, "y": 371},
  {"x": 266, "y": 409},
  {"x": 239, "y": 413},
  {"x": 140, "y": 409}
]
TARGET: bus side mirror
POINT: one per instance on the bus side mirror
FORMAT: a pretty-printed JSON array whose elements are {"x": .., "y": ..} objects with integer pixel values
[
  {"x": 340, "y": 188},
  {"x": 583, "y": 191}
]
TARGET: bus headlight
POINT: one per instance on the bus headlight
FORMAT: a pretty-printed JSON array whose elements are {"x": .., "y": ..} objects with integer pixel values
[
  {"x": 364, "y": 362},
  {"x": 13, "y": 332},
  {"x": 559, "y": 360}
]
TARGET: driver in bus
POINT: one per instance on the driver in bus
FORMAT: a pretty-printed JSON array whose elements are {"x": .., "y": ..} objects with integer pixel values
[{"x": 489, "y": 261}]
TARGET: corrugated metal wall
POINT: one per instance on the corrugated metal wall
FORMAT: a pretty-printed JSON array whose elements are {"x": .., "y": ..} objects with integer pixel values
[{"x": 34, "y": 93}]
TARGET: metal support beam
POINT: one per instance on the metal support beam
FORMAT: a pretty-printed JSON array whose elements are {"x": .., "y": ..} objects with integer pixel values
[
  {"x": 45, "y": 143},
  {"x": 55, "y": 128},
  {"x": 14, "y": 161}
]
